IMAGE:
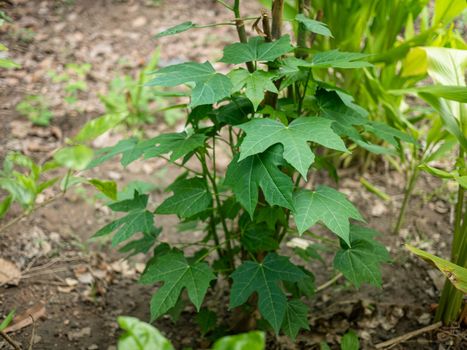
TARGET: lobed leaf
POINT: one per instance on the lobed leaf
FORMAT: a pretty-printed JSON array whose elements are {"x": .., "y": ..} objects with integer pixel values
[
  {"x": 177, "y": 273},
  {"x": 263, "y": 133},
  {"x": 327, "y": 205},
  {"x": 263, "y": 278},
  {"x": 210, "y": 86},
  {"x": 257, "y": 49},
  {"x": 260, "y": 170}
]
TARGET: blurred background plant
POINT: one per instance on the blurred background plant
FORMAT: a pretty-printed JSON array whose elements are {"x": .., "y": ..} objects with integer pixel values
[
  {"x": 129, "y": 101},
  {"x": 5, "y": 62},
  {"x": 73, "y": 80},
  {"x": 36, "y": 109}
]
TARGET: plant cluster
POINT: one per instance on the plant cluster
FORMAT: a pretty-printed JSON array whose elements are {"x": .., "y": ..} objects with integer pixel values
[{"x": 279, "y": 124}]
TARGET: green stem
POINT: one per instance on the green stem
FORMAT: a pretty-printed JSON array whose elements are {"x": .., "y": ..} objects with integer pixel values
[
  {"x": 212, "y": 221},
  {"x": 407, "y": 195},
  {"x": 451, "y": 300},
  {"x": 202, "y": 159}
]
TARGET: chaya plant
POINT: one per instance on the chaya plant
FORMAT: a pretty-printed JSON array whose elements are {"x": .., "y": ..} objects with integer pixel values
[{"x": 279, "y": 124}]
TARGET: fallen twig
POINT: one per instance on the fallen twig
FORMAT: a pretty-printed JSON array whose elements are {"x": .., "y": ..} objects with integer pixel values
[
  {"x": 33, "y": 333},
  {"x": 9, "y": 340},
  {"x": 407, "y": 336}
]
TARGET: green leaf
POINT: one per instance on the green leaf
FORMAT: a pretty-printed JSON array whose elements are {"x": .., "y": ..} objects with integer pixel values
[
  {"x": 106, "y": 153},
  {"x": 108, "y": 188},
  {"x": 7, "y": 320},
  {"x": 313, "y": 26},
  {"x": 235, "y": 112},
  {"x": 8, "y": 64},
  {"x": 350, "y": 341},
  {"x": 254, "y": 340},
  {"x": 456, "y": 274},
  {"x": 255, "y": 84},
  {"x": 210, "y": 87},
  {"x": 75, "y": 157},
  {"x": 338, "y": 59},
  {"x": 447, "y": 10},
  {"x": 139, "y": 335},
  {"x": 296, "y": 318},
  {"x": 137, "y": 202},
  {"x": 5, "y": 205},
  {"x": 449, "y": 92},
  {"x": 259, "y": 238},
  {"x": 263, "y": 278},
  {"x": 179, "y": 28},
  {"x": 263, "y": 133},
  {"x": 206, "y": 320},
  {"x": 98, "y": 126},
  {"x": 256, "y": 50},
  {"x": 135, "y": 221},
  {"x": 177, "y": 274},
  {"x": 142, "y": 245},
  {"x": 327, "y": 205},
  {"x": 191, "y": 196},
  {"x": 260, "y": 170},
  {"x": 360, "y": 262},
  {"x": 177, "y": 144}
]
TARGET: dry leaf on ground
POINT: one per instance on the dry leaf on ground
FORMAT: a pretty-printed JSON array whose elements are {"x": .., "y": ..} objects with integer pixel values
[{"x": 9, "y": 273}]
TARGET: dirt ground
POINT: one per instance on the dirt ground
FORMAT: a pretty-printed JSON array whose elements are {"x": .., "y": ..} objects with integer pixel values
[{"x": 81, "y": 286}]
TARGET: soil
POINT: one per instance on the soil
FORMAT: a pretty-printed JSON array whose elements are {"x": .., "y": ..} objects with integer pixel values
[{"x": 85, "y": 285}]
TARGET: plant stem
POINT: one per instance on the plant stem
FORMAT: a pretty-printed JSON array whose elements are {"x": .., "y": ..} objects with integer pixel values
[
  {"x": 240, "y": 25},
  {"x": 414, "y": 172},
  {"x": 277, "y": 11},
  {"x": 206, "y": 172},
  {"x": 27, "y": 213},
  {"x": 451, "y": 298},
  {"x": 301, "y": 32}
]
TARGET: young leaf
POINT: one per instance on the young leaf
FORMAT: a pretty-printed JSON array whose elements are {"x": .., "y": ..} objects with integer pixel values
[
  {"x": 177, "y": 144},
  {"x": 263, "y": 278},
  {"x": 360, "y": 262},
  {"x": 255, "y": 84},
  {"x": 327, "y": 205},
  {"x": 98, "y": 126},
  {"x": 296, "y": 318},
  {"x": 179, "y": 28},
  {"x": 191, "y": 196},
  {"x": 256, "y": 50},
  {"x": 177, "y": 274},
  {"x": 313, "y": 26},
  {"x": 350, "y": 341},
  {"x": 263, "y": 133},
  {"x": 260, "y": 170},
  {"x": 108, "y": 188},
  {"x": 7, "y": 320},
  {"x": 210, "y": 86},
  {"x": 254, "y": 340},
  {"x": 139, "y": 335},
  {"x": 75, "y": 157}
]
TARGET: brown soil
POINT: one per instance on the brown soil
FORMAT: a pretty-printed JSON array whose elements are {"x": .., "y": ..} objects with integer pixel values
[{"x": 85, "y": 285}]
